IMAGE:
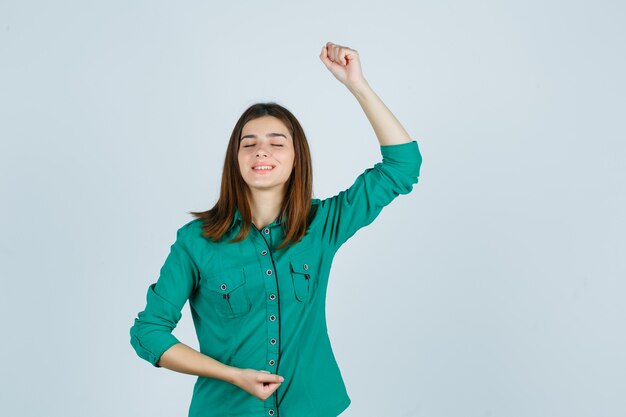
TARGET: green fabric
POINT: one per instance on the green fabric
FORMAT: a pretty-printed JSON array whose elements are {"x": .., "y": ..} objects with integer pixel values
[{"x": 235, "y": 290}]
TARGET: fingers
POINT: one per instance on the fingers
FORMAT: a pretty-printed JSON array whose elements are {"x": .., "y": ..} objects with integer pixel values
[
  {"x": 265, "y": 376},
  {"x": 332, "y": 52},
  {"x": 324, "y": 57}
]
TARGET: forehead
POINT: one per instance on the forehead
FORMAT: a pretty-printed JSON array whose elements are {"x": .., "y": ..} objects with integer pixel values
[{"x": 263, "y": 125}]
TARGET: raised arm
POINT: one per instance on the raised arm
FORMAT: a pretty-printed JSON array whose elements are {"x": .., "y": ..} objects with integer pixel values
[{"x": 375, "y": 188}]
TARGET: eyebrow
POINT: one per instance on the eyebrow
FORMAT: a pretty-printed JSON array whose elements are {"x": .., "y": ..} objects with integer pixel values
[{"x": 272, "y": 135}]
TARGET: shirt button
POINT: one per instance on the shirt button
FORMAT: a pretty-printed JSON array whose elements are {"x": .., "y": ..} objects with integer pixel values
[
  {"x": 305, "y": 266},
  {"x": 223, "y": 286},
  {"x": 272, "y": 362},
  {"x": 272, "y": 317},
  {"x": 263, "y": 252},
  {"x": 272, "y": 296},
  {"x": 270, "y": 412},
  {"x": 268, "y": 272},
  {"x": 266, "y": 231},
  {"x": 273, "y": 341}
]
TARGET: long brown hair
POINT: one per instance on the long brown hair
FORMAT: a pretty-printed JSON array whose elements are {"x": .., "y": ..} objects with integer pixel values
[{"x": 234, "y": 192}]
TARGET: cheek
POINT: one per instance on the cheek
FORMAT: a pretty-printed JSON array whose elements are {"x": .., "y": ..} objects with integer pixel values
[{"x": 290, "y": 157}]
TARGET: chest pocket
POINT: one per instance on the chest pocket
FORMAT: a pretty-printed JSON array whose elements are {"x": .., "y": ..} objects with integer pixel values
[
  {"x": 228, "y": 293},
  {"x": 301, "y": 274}
]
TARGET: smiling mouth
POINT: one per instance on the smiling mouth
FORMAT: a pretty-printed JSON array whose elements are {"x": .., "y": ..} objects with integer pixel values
[{"x": 263, "y": 170}]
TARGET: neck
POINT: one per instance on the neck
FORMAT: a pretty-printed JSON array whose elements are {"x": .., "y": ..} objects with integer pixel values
[{"x": 265, "y": 207}]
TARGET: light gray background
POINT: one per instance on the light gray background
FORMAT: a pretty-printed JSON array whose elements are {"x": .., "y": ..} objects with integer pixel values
[{"x": 496, "y": 288}]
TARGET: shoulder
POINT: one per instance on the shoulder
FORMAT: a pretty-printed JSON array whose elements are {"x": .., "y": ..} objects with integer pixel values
[{"x": 190, "y": 230}]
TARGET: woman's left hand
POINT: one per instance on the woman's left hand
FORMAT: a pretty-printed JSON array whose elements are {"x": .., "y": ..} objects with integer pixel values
[{"x": 343, "y": 63}]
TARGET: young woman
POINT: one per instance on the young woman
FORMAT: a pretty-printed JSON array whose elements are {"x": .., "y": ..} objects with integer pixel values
[{"x": 255, "y": 267}]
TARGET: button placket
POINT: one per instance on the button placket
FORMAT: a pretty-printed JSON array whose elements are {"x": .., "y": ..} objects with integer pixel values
[{"x": 272, "y": 307}]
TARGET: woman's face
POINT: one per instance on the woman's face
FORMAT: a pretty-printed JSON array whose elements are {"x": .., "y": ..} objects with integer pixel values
[{"x": 265, "y": 141}]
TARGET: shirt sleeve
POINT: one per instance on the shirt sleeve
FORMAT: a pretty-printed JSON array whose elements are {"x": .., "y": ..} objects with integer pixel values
[
  {"x": 375, "y": 188},
  {"x": 151, "y": 334}
]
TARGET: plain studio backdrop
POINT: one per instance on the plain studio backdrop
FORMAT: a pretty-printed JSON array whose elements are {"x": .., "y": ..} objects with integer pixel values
[{"x": 495, "y": 288}]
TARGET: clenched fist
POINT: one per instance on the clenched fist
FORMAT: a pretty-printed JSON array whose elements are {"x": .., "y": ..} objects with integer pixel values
[
  {"x": 261, "y": 384},
  {"x": 343, "y": 63}
]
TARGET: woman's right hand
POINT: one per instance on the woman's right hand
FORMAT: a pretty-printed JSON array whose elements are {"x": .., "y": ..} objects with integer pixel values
[{"x": 261, "y": 384}]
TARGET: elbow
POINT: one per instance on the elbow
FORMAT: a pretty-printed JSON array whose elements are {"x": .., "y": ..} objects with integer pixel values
[
  {"x": 150, "y": 342},
  {"x": 137, "y": 343}
]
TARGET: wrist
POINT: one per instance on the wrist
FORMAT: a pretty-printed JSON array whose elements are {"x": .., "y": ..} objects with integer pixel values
[
  {"x": 359, "y": 88},
  {"x": 232, "y": 374}
]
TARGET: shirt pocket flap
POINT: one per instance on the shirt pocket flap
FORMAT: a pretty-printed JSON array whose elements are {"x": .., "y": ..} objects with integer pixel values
[
  {"x": 225, "y": 282},
  {"x": 300, "y": 263}
]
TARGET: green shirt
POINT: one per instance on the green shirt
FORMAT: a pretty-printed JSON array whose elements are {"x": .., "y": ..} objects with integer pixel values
[{"x": 254, "y": 306}]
